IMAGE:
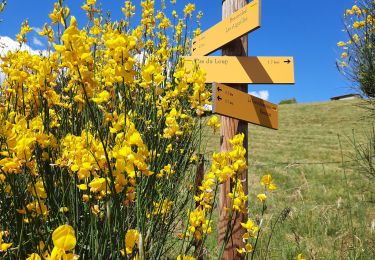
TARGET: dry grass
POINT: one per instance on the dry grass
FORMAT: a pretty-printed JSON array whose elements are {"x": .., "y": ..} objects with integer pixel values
[{"x": 332, "y": 207}]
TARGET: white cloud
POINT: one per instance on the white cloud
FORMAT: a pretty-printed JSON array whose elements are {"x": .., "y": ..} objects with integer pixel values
[
  {"x": 37, "y": 42},
  {"x": 8, "y": 44},
  {"x": 37, "y": 29},
  {"x": 2, "y": 76},
  {"x": 263, "y": 94},
  {"x": 207, "y": 107}
]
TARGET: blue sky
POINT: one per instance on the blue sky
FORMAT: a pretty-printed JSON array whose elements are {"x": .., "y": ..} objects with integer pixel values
[{"x": 307, "y": 30}]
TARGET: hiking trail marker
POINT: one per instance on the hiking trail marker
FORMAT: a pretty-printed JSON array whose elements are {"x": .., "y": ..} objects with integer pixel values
[
  {"x": 249, "y": 70},
  {"x": 237, "y": 104},
  {"x": 232, "y": 101},
  {"x": 239, "y": 23}
]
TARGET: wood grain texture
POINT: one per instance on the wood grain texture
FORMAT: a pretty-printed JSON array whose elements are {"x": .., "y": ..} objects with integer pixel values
[
  {"x": 198, "y": 182},
  {"x": 229, "y": 128}
]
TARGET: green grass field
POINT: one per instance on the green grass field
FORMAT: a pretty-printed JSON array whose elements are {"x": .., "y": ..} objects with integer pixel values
[{"x": 332, "y": 206}]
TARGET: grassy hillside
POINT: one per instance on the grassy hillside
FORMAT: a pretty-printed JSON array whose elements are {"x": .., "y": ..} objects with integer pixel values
[{"x": 332, "y": 207}]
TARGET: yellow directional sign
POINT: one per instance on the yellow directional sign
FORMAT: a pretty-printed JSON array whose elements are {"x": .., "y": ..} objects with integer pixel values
[
  {"x": 249, "y": 70},
  {"x": 239, "y": 23},
  {"x": 231, "y": 102}
]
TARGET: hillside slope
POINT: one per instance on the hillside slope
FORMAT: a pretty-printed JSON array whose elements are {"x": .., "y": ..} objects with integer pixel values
[
  {"x": 332, "y": 206},
  {"x": 307, "y": 133}
]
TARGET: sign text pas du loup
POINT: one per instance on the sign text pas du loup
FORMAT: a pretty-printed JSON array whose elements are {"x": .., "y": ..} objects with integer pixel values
[{"x": 248, "y": 70}]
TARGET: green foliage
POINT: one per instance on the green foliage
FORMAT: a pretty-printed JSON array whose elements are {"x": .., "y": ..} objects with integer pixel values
[
  {"x": 288, "y": 101},
  {"x": 357, "y": 61}
]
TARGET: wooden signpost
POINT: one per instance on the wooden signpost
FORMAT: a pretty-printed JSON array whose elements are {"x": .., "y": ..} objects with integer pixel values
[
  {"x": 250, "y": 70},
  {"x": 233, "y": 101},
  {"x": 239, "y": 23}
]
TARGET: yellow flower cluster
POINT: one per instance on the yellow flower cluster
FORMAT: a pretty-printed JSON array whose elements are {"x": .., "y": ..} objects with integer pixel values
[
  {"x": 268, "y": 183},
  {"x": 214, "y": 123},
  {"x": 4, "y": 246},
  {"x": 76, "y": 56},
  {"x": 148, "y": 15},
  {"x": 224, "y": 167},
  {"x": 25, "y": 29},
  {"x": 251, "y": 232},
  {"x": 172, "y": 127},
  {"x": 239, "y": 198},
  {"x": 189, "y": 9},
  {"x": 200, "y": 96},
  {"x": 27, "y": 77},
  {"x": 90, "y": 9},
  {"x": 64, "y": 239},
  {"x": 85, "y": 156},
  {"x": 22, "y": 138},
  {"x": 198, "y": 224},
  {"x": 354, "y": 10},
  {"x": 360, "y": 27},
  {"x": 269, "y": 186},
  {"x": 78, "y": 156},
  {"x": 129, "y": 9},
  {"x": 99, "y": 130},
  {"x": 162, "y": 208},
  {"x": 131, "y": 240},
  {"x": 59, "y": 14}
]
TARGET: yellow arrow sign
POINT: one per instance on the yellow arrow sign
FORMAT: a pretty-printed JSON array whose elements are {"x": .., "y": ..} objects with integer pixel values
[
  {"x": 231, "y": 102},
  {"x": 249, "y": 70},
  {"x": 239, "y": 23}
]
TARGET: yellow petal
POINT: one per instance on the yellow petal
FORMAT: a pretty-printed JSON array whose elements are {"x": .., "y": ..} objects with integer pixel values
[
  {"x": 248, "y": 248},
  {"x": 34, "y": 256},
  {"x": 131, "y": 239},
  {"x": 73, "y": 22},
  {"x": 272, "y": 187},
  {"x": 64, "y": 237},
  {"x": 5, "y": 246},
  {"x": 59, "y": 48},
  {"x": 262, "y": 197},
  {"x": 82, "y": 186},
  {"x": 74, "y": 167}
]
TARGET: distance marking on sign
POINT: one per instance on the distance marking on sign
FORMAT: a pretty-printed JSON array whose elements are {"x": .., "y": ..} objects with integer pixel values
[{"x": 231, "y": 102}]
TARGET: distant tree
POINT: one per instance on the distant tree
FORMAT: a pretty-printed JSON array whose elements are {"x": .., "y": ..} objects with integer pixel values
[
  {"x": 288, "y": 101},
  {"x": 357, "y": 61}
]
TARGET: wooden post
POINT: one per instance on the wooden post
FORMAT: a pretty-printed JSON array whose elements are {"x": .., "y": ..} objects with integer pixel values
[
  {"x": 198, "y": 182},
  {"x": 229, "y": 128}
]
